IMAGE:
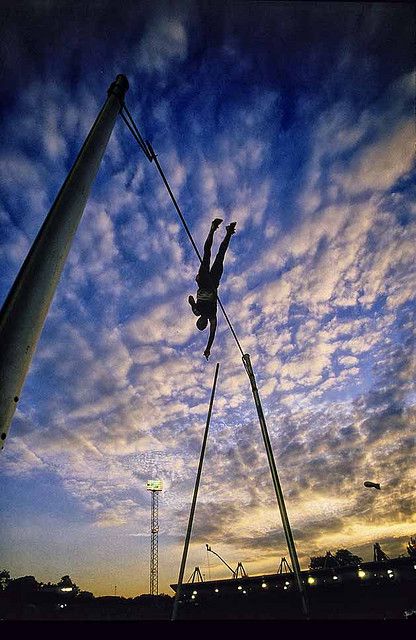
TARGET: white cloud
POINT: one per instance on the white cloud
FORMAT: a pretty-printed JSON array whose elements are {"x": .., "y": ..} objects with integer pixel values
[
  {"x": 164, "y": 42},
  {"x": 378, "y": 166}
]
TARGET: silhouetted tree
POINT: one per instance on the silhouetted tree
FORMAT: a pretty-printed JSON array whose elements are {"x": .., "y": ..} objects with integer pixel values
[
  {"x": 23, "y": 586},
  {"x": 4, "y": 579},
  {"x": 346, "y": 558},
  {"x": 342, "y": 558}
]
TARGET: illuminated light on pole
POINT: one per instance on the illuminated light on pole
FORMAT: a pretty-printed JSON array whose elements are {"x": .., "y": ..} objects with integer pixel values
[
  {"x": 264, "y": 585},
  {"x": 239, "y": 587},
  {"x": 361, "y": 573},
  {"x": 311, "y": 580},
  {"x": 334, "y": 577},
  {"x": 216, "y": 590}
]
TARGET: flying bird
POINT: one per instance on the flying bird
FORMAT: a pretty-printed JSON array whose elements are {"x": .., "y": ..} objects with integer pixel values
[{"x": 369, "y": 484}]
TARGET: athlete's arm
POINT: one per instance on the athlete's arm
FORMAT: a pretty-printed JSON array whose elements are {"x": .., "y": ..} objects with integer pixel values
[{"x": 212, "y": 330}]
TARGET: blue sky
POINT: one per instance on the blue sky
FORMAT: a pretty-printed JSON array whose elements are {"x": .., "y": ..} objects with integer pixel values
[{"x": 297, "y": 121}]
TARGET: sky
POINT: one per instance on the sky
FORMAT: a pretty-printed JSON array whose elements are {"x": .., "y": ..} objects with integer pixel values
[{"x": 296, "y": 120}]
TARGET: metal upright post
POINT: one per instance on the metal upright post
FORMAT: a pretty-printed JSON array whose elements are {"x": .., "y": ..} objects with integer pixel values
[
  {"x": 276, "y": 482},
  {"x": 194, "y": 499},
  {"x": 154, "y": 545},
  {"x": 26, "y": 306}
]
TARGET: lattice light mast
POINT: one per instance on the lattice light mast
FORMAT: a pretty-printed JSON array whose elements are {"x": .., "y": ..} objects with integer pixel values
[{"x": 155, "y": 486}]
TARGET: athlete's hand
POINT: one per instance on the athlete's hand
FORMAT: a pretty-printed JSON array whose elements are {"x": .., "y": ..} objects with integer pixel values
[{"x": 207, "y": 353}]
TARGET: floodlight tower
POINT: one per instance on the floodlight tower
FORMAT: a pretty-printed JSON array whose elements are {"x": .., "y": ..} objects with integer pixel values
[{"x": 155, "y": 486}]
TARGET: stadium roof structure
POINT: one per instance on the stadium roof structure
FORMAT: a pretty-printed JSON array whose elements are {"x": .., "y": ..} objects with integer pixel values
[{"x": 367, "y": 590}]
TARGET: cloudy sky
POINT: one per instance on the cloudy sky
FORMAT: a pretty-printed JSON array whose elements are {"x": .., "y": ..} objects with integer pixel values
[{"x": 295, "y": 120}]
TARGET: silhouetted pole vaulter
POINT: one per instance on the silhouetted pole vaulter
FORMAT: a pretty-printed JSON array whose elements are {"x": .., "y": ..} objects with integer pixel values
[
  {"x": 208, "y": 279},
  {"x": 147, "y": 149},
  {"x": 24, "y": 311},
  {"x": 194, "y": 499}
]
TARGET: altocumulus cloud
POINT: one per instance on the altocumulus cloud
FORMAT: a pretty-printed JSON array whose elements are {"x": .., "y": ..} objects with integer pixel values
[{"x": 319, "y": 282}]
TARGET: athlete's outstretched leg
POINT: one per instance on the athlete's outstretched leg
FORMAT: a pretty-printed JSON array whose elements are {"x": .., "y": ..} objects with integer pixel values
[
  {"x": 206, "y": 259},
  {"x": 218, "y": 265}
]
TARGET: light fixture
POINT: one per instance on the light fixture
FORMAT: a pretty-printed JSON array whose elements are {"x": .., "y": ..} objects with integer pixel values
[
  {"x": 285, "y": 587},
  {"x": 194, "y": 592},
  {"x": 244, "y": 591},
  {"x": 287, "y": 583},
  {"x": 334, "y": 577},
  {"x": 311, "y": 580},
  {"x": 264, "y": 585},
  {"x": 216, "y": 590},
  {"x": 193, "y": 597},
  {"x": 240, "y": 587},
  {"x": 361, "y": 573}
]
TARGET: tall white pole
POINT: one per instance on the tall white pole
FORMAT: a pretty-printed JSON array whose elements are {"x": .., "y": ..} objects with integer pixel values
[{"x": 24, "y": 311}]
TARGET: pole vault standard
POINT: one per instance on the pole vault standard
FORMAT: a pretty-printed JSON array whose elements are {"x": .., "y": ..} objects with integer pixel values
[
  {"x": 276, "y": 482},
  {"x": 147, "y": 149},
  {"x": 24, "y": 311},
  {"x": 194, "y": 499}
]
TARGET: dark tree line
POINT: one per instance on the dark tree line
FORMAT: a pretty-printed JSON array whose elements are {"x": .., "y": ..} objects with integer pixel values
[
  {"x": 342, "y": 558},
  {"x": 29, "y": 584}
]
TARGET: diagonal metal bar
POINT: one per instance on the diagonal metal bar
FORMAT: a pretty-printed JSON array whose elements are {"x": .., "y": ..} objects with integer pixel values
[{"x": 194, "y": 499}]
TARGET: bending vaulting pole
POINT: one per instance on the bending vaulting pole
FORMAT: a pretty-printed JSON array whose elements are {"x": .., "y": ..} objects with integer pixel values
[
  {"x": 194, "y": 498},
  {"x": 23, "y": 314},
  {"x": 276, "y": 482}
]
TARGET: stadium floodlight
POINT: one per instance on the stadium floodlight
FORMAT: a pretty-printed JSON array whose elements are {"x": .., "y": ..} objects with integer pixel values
[{"x": 154, "y": 485}]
